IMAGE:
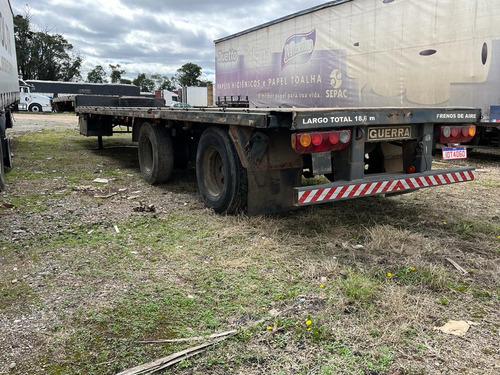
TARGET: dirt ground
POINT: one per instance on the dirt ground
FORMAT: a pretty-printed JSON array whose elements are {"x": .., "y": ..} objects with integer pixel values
[
  {"x": 371, "y": 237},
  {"x": 25, "y": 121}
]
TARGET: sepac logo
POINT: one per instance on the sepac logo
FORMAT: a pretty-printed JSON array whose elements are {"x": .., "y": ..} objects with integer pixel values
[
  {"x": 336, "y": 78},
  {"x": 336, "y": 82},
  {"x": 298, "y": 48}
]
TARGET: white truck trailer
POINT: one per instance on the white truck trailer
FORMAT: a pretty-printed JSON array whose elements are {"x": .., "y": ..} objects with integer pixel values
[
  {"x": 359, "y": 91},
  {"x": 371, "y": 53},
  {"x": 9, "y": 87},
  {"x": 197, "y": 96}
]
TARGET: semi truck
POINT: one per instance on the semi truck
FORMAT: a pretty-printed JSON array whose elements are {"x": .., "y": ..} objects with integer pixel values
[
  {"x": 31, "y": 101},
  {"x": 9, "y": 86},
  {"x": 344, "y": 100}
]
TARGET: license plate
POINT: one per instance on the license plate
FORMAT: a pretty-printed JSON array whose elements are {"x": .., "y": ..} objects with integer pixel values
[
  {"x": 389, "y": 133},
  {"x": 453, "y": 153}
]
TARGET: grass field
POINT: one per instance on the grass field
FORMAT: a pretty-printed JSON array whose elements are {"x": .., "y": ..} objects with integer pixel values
[{"x": 89, "y": 270}]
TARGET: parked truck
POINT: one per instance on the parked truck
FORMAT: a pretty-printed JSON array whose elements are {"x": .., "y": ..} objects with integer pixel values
[
  {"x": 355, "y": 92},
  {"x": 9, "y": 88},
  {"x": 169, "y": 97},
  {"x": 31, "y": 101}
]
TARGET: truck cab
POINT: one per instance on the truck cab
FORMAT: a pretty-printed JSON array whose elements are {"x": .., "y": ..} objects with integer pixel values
[{"x": 31, "y": 101}]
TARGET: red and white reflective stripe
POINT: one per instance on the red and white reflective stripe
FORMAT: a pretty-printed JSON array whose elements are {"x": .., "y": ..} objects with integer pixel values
[{"x": 381, "y": 187}]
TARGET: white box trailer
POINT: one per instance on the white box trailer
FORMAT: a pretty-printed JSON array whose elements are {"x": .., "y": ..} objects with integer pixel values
[
  {"x": 369, "y": 53},
  {"x": 197, "y": 96},
  {"x": 9, "y": 85}
]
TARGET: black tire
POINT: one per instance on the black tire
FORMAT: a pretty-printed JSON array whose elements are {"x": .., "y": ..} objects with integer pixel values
[
  {"x": 36, "y": 108},
  {"x": 156, "y": 153},
  {"x": 222, "y": 180},
  {"x": 2, "y": 167}
]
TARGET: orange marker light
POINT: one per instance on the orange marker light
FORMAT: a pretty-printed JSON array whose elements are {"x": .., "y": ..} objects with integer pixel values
[{"x": 305, "y": 140}]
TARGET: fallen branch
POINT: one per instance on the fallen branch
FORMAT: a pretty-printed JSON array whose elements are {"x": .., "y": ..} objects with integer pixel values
[
  {"x": 189, "y": 339},
  {"x": 170, "y": 360},
  {"x": 105, "y": 196},
  {"x": 457, "y": 266}
]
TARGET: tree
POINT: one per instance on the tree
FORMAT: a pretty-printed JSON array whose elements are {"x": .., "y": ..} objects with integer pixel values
[
  {"x": 189, "y": 74},
  {"x": 97, "y": 75},
  {"x": 116, "y": 73},
  {"x": 145, "y": 83},
  {"x": 163, "y": 82},
  {"x": 42, "y": 55},
  {"x": 24, "y": 38}
]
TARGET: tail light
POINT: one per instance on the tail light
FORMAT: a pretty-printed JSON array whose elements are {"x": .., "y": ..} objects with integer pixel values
[
  {"x": 457, "y": 134},
  {"x": 308, "y": 143}
]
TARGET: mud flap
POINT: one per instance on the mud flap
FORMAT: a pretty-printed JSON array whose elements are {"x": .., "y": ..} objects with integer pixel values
[
  {"x": 273, "y": 168},
  {"x": 272, "y": 190}
]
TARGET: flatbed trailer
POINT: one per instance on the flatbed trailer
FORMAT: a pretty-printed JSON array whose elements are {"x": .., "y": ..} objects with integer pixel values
[{"x": 254, "y": 159}]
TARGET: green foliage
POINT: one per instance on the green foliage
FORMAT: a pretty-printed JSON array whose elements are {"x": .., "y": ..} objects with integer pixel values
[
  {"x": 163, "y": 82},
  {"x": 144, "y": 82},
  {"x": 116, "y": 73},
  {"x": 97, "y": 75},
  {"x": 44, "y": 56},
  {"x": 358, "y": 288},
  {"x": 189, "y": 74}
]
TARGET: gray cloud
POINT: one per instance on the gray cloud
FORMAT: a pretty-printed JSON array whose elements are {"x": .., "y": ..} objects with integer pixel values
[{"x": 151, "y": 36}]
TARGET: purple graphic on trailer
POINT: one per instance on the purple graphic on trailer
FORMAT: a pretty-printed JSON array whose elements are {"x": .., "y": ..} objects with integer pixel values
[
  {"x": 298, "y": 48},
  {"x": 297, "y": 76}
]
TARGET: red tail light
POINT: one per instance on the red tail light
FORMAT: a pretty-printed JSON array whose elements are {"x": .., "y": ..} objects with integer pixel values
[
  {"x": 308, "y": 143},
  {"x": 457, "y": 134}
]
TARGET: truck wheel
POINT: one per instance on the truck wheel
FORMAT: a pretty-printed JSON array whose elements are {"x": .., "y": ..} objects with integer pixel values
[
  {"x": 156, "y": 153},
  {"x": 2, "y": 168},
  {"x": 222, "y": 180},
  {"x": 37, "y": 108}
]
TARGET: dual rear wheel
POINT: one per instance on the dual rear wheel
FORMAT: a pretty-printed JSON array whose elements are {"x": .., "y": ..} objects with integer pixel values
[{"x": 222, "y": 180}]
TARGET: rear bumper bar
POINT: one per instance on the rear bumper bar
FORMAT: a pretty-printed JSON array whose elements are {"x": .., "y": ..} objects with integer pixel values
[{"x": 386, "y": 184}]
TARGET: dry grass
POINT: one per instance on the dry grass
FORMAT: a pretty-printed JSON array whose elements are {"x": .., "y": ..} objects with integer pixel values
[{"x": 370, "y": 275}]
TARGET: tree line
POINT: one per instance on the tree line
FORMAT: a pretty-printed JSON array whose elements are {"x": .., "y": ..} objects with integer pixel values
[
  {"x": 42, "y": 55},
  {"x": 187, "y": 75}
]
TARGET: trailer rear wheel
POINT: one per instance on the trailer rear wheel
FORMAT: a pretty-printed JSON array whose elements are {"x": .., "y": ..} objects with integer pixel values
[
  {"x": 156, "y": 153},
  {"x": 222, "y": 180}
]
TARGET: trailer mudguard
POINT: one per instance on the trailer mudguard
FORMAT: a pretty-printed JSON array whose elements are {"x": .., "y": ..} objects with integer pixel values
[{"x": 273, "y": 168}]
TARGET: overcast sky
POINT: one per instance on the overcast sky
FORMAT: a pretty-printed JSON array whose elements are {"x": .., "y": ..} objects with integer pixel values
[{"x": 151, "y": 36}]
